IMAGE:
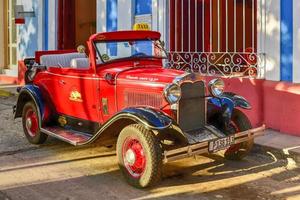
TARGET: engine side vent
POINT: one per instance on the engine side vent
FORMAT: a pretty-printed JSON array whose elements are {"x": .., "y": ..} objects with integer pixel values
[{"x": 143, "y": 99}]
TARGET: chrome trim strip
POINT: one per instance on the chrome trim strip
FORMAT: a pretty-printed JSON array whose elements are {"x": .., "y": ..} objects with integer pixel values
[
  {"x": 140, "y": 81},
  {"x": 192, "y": 77},
  {"x": 77, "y": 77}
]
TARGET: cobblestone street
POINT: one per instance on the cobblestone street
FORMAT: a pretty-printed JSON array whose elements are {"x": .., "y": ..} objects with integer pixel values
[{"x": 59, "y": 171}]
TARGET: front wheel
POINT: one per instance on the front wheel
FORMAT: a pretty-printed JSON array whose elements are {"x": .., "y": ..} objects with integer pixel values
[
  {"x": 140, "y": 156},
  {"x": 239, "y": 123}
]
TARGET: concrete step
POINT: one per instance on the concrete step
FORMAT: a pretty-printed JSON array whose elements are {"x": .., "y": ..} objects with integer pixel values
[{"x": 11, "y": 72}]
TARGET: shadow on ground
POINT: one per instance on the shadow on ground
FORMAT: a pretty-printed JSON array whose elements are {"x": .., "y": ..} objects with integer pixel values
[{"x": 261, "y": 176}]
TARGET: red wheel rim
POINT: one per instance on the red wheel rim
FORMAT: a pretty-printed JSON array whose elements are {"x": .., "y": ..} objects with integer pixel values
[
  {"x": 31, "y": 122},
  {"x": 134, "y": 157}
]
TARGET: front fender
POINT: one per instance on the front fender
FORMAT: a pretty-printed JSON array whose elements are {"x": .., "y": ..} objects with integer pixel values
[
  {"x": 151, "y": 118},
  {"x": 232, "y": 101},
  {"x": 220, "y": 110},
  {"x": 29, "y": 93}
]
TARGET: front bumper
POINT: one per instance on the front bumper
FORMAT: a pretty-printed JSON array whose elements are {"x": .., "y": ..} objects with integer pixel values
[{"x": 202, "y": 147}]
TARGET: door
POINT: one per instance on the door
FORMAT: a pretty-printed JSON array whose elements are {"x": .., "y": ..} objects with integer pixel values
[
  {"x": 74, "y": 93},
  {"x": 76, "y": 22}
]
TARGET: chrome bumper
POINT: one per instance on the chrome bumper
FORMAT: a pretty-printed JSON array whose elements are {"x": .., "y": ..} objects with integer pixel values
[{"x": 202, "y": 147}]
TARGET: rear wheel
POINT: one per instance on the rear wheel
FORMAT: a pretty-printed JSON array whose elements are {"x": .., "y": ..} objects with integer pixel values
[
  {"x": 30, "y": 121},
  {"x": 239, "y": 123},
  {"x": 140, "y": 156}
]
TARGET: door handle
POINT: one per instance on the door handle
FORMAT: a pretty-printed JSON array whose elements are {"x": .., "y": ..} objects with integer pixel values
[{"x": 62, "y": 82}]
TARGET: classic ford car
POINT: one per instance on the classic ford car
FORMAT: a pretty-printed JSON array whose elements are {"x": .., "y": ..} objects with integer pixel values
[{"x": 120, "y": 92}]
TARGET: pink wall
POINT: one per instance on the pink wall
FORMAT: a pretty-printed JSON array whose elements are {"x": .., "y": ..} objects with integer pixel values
[{"x": 282, "y": 106}]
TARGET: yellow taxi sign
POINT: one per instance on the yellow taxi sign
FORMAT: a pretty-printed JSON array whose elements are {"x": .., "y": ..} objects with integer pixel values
[{"x": 141, "y": 27}]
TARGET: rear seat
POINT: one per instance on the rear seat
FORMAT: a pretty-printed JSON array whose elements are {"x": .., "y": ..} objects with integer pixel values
[
  {"x": 81, "y": 63},
  {"x": 60, "y": 60}
]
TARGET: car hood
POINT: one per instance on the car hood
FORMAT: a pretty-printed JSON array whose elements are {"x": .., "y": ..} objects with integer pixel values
[{"x": 153, "y": 75}]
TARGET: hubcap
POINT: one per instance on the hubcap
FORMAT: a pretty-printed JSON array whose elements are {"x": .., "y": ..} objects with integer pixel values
[
  {"x": 31, "y": 123},
  {"x": 134, "y": 157},
  {"x": 130, "y": 157},
  {"x": 28, "y": 123}
]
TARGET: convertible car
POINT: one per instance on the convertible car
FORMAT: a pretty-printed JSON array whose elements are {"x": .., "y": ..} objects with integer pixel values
[{"x": 119, "y": 91}]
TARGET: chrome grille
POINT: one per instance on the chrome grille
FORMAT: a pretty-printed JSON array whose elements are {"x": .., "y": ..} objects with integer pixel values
[
  {"x": 143, "y": 99},
  {"x": 191, "y": 107}
]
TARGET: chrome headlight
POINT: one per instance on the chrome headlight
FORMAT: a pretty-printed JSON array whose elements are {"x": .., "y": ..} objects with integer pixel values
[
  {"x": 216, "y": 87},
  {"x": 172, "y": 93}
]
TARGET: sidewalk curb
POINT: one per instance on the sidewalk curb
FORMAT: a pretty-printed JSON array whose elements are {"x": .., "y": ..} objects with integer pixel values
[
  {"x": 5, "y": 93},
  {"x": 8, "y": 90}
]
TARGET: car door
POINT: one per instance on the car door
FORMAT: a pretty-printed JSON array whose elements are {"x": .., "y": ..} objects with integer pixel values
[{"x": 74, "y": 94}]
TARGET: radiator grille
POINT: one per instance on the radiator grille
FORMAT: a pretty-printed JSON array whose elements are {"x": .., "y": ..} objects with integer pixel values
[
  {"x": 143, "y": 99},
  {"x": 191, "y": 107}
]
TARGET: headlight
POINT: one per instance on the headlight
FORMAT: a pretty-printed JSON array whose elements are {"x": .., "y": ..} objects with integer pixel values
[
  {"x": 216, "y": 87},
  {"x": 172, "y": 93}
]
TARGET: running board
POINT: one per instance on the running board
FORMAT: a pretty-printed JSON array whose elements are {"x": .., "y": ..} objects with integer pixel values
[{"x": 70, "y": 136}]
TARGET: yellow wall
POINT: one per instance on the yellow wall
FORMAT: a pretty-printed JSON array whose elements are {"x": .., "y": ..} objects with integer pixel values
[{"x": 2, "y": 29}]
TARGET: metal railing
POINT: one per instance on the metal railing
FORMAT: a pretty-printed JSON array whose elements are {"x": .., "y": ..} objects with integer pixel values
[
  {"x": 214, "y": 37},
  {"x": 227, "y": 64}
]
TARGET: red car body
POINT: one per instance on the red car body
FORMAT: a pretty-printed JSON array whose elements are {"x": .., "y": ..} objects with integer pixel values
[
  {"x": 57, "y": 83},
  {"x": 131, "y": 94}
]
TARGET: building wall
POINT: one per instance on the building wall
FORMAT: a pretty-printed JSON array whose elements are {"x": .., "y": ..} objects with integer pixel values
[
  {"x": 296, "y": 39},
  {"x": 272, "y": 39},
  {"x": 31, "y": 33},
  {"x": 101, "y": 15},
  {"x": 52, "y": 24},
  {"x": 1, "y": 36}
]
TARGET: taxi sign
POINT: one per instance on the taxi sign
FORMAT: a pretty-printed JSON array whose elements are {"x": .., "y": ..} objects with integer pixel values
[{"x": 141, "y": 27}]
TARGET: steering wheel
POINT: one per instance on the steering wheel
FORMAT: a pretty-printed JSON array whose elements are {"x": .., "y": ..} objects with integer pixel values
[{"x": 140, "y": 54}]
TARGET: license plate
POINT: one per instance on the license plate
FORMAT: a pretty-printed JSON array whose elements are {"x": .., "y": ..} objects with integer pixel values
[{"x": 220, "y": 144}]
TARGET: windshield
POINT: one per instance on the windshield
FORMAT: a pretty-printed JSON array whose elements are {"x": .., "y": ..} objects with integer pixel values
[{"x": 110, "y": 51}]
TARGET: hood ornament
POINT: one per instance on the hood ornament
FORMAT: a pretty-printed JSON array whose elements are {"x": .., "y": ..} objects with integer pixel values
[{"x": 187, "y": 77}]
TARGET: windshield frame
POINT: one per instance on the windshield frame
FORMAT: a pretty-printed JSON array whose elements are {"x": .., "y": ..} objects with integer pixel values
[{"x": 99, "y": 54}]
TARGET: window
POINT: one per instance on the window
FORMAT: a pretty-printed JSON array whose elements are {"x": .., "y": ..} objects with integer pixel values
[{"x": 215, "y": 37}]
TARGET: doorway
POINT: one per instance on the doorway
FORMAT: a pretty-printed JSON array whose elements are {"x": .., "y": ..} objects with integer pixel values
[
  {"x": 85, "y": 20},
  {"x": 77, "y": 22}
]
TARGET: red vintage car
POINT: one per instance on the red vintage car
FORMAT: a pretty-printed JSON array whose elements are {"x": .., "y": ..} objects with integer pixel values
[{"x": 120, "y": 91}]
